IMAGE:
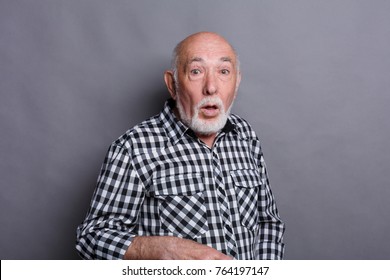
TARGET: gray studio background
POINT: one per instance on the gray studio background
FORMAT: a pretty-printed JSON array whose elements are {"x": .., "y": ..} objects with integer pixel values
[{"x": 74, "y": 75}]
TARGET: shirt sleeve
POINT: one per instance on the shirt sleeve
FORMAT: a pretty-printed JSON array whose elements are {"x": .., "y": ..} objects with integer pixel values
[
  {"x": 109, "y": 226},
  {"x": 271, "y": 227}
]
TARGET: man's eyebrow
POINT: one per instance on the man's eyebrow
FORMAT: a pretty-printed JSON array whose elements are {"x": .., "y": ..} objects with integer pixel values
[
  {"x": 227, "y": 59},
  {"x": 195, "y": 59},
  {"x": 191, "y": 60}
]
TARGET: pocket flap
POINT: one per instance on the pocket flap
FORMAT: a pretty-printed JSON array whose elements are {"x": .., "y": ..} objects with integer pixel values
[
  {"x": 181, "y": 184},
  {"x": 246, "y": 178}
]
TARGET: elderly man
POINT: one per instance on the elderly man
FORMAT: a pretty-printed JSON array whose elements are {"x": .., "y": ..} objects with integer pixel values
[{"x": 191, "y": 182}]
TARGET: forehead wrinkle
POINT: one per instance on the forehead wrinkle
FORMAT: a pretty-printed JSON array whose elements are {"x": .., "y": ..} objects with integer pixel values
[{"x": 200, "y": 59}]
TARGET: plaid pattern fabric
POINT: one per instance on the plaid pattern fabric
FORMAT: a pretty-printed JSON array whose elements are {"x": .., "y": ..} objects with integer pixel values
[{"x": 159, "y": 179}]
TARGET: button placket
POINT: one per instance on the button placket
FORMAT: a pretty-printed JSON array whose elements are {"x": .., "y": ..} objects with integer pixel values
[{"x": 223, "y": 203}]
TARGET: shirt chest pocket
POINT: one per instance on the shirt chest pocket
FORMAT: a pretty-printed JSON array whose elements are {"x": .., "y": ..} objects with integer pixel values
[
  {"x": 181, "y": 204},
  {"x": 247, "y": 185}
]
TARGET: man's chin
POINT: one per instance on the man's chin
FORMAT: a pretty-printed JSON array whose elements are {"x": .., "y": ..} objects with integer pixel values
[{"x": 208, "y": 126}]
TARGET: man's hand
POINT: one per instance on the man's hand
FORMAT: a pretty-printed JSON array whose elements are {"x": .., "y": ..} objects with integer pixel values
[{"x": 170, "y": 248}]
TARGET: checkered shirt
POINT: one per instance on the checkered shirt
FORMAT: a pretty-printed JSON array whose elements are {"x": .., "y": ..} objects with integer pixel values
[{"x": 158, "y": 179}]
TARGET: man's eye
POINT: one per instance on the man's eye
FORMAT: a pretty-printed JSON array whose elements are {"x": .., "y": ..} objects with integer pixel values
[
  {"x": 195, "y": 71},
  {"x": 225, "y": 72}
]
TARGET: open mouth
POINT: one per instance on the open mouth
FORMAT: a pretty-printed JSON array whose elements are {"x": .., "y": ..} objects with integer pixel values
[{"x": 210, "y": 110}]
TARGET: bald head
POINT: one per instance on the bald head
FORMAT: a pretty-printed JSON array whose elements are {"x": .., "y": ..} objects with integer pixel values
[{"x": 198, "y": 42}]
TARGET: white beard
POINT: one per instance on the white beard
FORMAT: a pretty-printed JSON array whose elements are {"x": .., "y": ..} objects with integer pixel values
[{"x": 204, "y": 127}]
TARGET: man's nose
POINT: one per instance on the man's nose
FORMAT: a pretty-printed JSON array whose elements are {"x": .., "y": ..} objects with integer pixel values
[{"x": 210, "y": 85}]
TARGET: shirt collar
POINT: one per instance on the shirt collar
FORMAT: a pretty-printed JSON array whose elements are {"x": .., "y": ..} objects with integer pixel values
[{"x": 175, "y": 129}]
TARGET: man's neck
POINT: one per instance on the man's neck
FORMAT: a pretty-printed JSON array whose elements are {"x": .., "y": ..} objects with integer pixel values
[{"x": 207, "y": 139}]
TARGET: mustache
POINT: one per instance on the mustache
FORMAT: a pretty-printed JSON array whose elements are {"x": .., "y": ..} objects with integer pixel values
[{"x": 214, "y": 101}]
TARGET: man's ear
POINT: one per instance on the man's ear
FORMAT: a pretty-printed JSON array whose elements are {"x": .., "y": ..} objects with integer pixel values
[{"x": 170, "y": 83}]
